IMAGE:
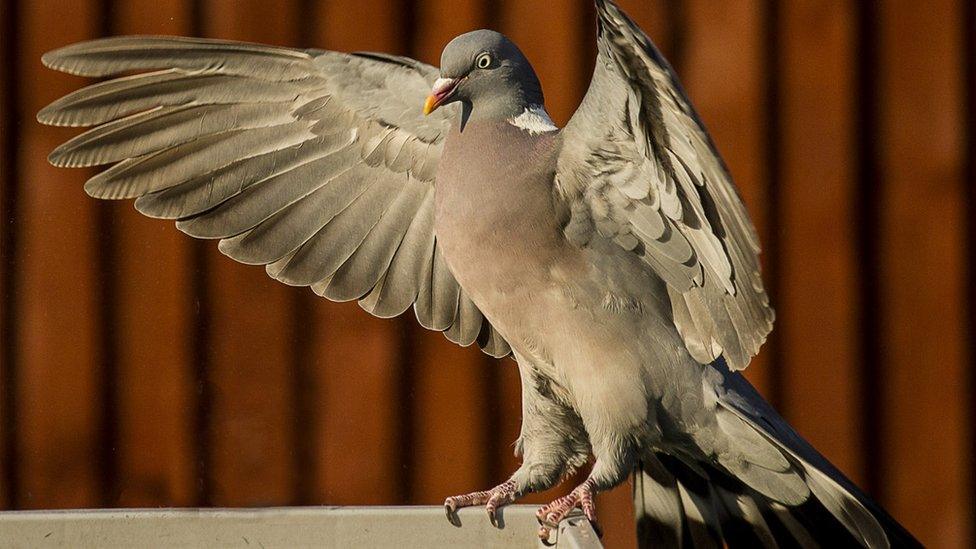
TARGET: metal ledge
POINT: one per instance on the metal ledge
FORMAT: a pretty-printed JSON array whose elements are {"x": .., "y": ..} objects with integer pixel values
[{"x": 382, "y": 527}]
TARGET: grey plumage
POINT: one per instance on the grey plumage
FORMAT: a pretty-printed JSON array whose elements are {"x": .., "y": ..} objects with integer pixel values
[
  {"x": 612, "y": 258},
  {"x": 313, "y": 163}
]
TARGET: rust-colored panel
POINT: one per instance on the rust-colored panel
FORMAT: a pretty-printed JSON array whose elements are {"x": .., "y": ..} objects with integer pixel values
[
  {"x": 252, "y": 328},
  {"x": 8, "y": 234},
  {"x": 58, "y": 294},
  {"x": 818, "y": 310},
  {"x": 439, "y": 21},
  {"x": 153, "y": 296},
  {"x": 924, "y": 350},
  {"x": 505, "y": 398},
  {"x": 552, "y": 39},
  {"x": 363, "y": 25},
  {"x": 357, "y": 412},
  {"x": 358, "y": 359},
  {"x": 726, "y": 79},
  {"x": 450, "y": 405}
]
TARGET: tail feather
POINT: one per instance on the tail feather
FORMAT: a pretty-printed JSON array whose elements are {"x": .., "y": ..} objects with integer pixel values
[
  {"x": 793, "y": 528},
  {"x": 745, "y": 519},
  {"x": 862, "y": 517},
  {"x": 659, "y": 509},
  {"x": 677, "y": 508},
  {"x": 707, "y": 504},
  {"x": 702, "y": 526}
]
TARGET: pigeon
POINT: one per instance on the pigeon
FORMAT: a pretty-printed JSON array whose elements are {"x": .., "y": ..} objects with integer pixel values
[{"x": 612, "y": 258}]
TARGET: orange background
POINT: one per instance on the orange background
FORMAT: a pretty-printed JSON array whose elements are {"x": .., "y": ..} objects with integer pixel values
[{"x": 142, "y": 369}]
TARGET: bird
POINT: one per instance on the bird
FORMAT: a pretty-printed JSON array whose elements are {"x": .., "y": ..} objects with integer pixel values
[{"x": 612, "y": 258}]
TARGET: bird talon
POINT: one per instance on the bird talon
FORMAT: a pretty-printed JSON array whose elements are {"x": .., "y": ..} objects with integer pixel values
[
  {"x": 450, "y": 509},
  {"x": 493, "y": 518},
  {"x": 498, "y": 496},
  {"x": 544, "y": 533},
  {"x": 582, "y": 496}
]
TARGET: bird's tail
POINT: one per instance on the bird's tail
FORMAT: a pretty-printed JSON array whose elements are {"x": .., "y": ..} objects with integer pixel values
[{"x": 682, "y": 504}]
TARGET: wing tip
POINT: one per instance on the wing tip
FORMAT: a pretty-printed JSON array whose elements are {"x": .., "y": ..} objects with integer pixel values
[
  {"x": 52, "y": 115},
  {"x": 236, "y": 250}
]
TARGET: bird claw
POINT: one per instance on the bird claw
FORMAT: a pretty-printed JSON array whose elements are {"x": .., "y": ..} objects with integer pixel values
[
  {"x": 551, "y": 515},
  {"x": 544, "y": 532},
  {"x": 493, "y": 500},
  {"x": 450, "y": 508},
  {"x": 502, "y": 495}
]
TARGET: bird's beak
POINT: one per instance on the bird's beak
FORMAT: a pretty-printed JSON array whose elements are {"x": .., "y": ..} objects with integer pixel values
[{"x": 443, "y": 89}]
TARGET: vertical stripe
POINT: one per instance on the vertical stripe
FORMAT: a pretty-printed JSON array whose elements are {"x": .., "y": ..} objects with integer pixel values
[
  {"x": 676, "y": 45},
  {"x": 153, "y": 329},
  {"x": 726, "y": 80},
  {"x": 817, "y": 222},
  {"x": 362, "y": 441},
  {"x": 10, "y": 66},
  {"x": 551, "y": 39},
  {"x": 968, "y": 24},
  {"x": 200, "y": 353},
  {"x": 770, "y": 226},
  {"x": 869, "y": 203},
  {"x": 252, "y": 330},
  {"x": 57, "y": 300},
  {"x": 921, "y": 266},
  {"x": 108, "y": 319},
  {"x": 306, "y": 423}
]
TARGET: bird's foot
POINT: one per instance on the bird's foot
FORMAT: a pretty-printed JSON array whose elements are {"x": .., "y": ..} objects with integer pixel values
[
  {"x": 493, "y": 500},
  {"x": 550, "y": 515}
]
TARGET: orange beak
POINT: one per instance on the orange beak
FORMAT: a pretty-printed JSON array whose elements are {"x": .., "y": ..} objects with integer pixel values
[
  {"x": 431, "y": 104},
  {"x": 443, "y": 89}
]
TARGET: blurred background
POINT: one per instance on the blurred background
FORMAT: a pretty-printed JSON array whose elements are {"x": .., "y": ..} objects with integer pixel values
[{"x": 140, "y": 368}]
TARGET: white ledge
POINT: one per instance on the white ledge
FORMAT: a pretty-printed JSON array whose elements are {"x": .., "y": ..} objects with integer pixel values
[{"x": 382, "y": 527}]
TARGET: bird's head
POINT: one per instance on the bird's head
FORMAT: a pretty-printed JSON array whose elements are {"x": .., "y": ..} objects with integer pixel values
[{"x": 488, "y": 73}]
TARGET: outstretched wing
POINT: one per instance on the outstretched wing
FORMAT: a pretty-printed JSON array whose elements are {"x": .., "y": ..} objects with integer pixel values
[
  {"x": 638, "y": 167},
  {"x": 317, "y": 164}
]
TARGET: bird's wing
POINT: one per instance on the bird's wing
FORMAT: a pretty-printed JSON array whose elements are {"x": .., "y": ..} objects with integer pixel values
[
  {"x": 638, "y": 167},
  {"x": 317, "y": 164}
]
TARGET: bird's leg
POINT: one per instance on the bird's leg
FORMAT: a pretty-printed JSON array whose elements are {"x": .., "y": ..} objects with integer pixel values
[
  {"x": 613, "y": 464},
  {"x": 581, "y": 496},
  {"x": 534, "y": 475},
  {"x": 552, "y": 443}
]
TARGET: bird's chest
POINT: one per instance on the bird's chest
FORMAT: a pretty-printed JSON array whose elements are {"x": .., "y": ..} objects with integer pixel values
[{"x": 495, "y": 217}]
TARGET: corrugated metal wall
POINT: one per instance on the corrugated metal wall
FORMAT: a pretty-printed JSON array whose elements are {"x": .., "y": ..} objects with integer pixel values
[{"x": 142, "y": 369}]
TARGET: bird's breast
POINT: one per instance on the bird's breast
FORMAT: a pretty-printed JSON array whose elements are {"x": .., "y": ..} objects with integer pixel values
[{"x": 495, "y": 217}]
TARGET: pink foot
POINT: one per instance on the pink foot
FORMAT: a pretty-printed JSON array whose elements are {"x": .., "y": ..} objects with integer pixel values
[
  {"x": 493, "y": 499},
  {"x": 550, "y": 515}
]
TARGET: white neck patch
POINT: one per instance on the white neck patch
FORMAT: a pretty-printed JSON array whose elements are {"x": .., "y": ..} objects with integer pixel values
[{"x": 534, "y": 120}]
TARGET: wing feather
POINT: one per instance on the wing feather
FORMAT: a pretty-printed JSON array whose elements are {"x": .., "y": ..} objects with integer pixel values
[
  {"x": 638, "y": 167},
  {"x": 163, "y": 128},
  {"x": 317, "y": 164}
]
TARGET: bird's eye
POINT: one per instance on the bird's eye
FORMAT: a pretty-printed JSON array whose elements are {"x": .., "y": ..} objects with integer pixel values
[{"x": 483, "y": 61}]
